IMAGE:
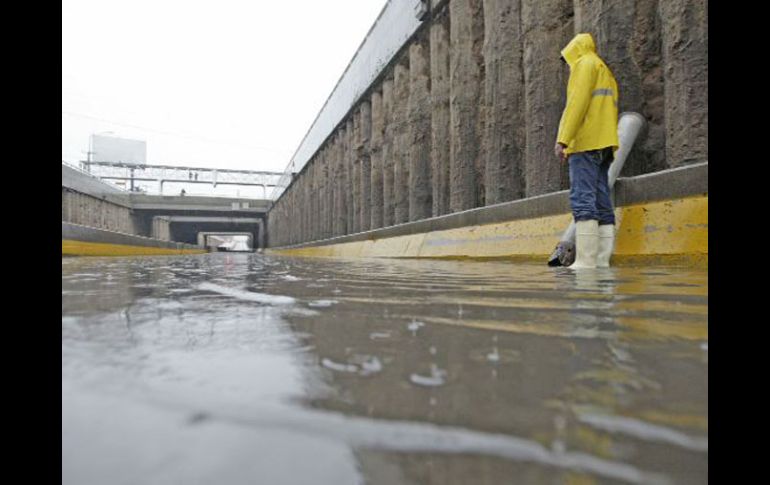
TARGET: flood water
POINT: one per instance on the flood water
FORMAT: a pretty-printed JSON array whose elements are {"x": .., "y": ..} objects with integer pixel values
[{"x": 244, "y": 368}]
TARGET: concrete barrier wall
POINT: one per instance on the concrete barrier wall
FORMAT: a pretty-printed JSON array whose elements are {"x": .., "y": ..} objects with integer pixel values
[
  {"x": 89, "y": 201},
  {"x": 87, "y": 210},
  {"x": 465, "y": 114},
  {"x": 78, "y": 240}
]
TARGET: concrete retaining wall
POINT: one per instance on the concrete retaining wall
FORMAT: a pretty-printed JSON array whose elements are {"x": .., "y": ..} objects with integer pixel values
[
  {"x": 465, "y": 114},
  {"x": 88, "y": 201},
  {"x": 86, "y": 210}
]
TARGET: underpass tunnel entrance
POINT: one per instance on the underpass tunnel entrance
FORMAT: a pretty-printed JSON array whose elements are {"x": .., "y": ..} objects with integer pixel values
[
  {"x": 226, "y": 241},
  {"x": 213, "y": 232}
]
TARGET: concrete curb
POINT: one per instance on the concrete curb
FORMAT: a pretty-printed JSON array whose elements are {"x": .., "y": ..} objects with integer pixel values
[
  {"x": 117, "y": 243},
  {"x": 669, "y": 184}
]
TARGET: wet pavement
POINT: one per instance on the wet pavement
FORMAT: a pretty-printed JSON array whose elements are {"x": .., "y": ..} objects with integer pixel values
[{"x": 243, "y": 368}]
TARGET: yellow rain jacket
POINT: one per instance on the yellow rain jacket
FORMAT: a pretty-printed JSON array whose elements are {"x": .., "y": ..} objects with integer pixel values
[{"x": 590, "y": 118}]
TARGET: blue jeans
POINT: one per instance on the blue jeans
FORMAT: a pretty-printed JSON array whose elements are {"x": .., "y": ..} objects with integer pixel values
[{"x": 589, "y": 193}]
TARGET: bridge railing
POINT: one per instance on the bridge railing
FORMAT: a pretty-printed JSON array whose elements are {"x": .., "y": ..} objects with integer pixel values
[{"x": 159, "y": 176}]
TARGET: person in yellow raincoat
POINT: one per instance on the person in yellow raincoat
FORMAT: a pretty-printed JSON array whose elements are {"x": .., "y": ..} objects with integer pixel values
[{"x": 587, "y": 140}]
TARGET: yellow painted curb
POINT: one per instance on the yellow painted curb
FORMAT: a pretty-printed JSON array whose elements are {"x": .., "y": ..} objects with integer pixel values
[
  {"x": 670, "y": 231},
  {"x": 71, "y": 247}
]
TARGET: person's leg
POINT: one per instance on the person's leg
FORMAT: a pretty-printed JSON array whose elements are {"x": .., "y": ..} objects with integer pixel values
[
  {"x": 606, "y": 215},
  {"x": 584, "y": 172},
  {"x": 604, "y": 210},
  {"x": 583, "y": 177}
]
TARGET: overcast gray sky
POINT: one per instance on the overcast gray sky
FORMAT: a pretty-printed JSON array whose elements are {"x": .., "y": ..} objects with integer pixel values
[{"x": 226, "y": 83}]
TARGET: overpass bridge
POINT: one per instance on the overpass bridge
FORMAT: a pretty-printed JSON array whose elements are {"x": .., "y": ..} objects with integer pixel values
[
  {"x": 89, "y": 201},
  {"x": 132, "y": 176}
]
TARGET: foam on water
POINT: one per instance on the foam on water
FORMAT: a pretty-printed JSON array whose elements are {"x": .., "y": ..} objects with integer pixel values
[{"x": 247, "y": 295}]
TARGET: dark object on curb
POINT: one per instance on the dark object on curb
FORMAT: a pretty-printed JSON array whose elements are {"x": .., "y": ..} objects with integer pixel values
[{"x": 563, "y": 255}]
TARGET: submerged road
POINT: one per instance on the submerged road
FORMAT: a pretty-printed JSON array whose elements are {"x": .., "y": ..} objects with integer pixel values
[{"x": 243, "y": 368}]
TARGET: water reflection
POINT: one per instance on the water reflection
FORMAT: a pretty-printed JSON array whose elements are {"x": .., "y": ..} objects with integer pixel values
[{"x": 244, "y": 367}]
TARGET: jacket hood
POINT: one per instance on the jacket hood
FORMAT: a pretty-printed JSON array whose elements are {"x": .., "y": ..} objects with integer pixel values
[{"x": 579, "y": 46}]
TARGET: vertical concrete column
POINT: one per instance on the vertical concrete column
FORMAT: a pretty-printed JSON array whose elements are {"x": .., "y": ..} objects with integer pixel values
[
  {"x": 356, "y": 188},
  {"x": 627, "y": 36},
  {"x": 306, "y": 207},
  {"x": 272, "y": 237},
  {"x": 275, "y": 231},
  {"x": 439, "y": 98},
  {"x": 319, "y": 192},
  {"x": 296, "y": 209},
  {"x": 419, "y": 133},
  {"x": 310, "y": 200},
  {"x": 340, "y": 213},
  {"x": 323, "y": 193},
  {"x": 388, "y": 211},
  {"x": 376, "y": 160},
  {"x": 330, "y": 187},
  {"x": 296, "y": 213},
  {"x": 400, "y": 146},
  {"x": 300, "y": 213},
  {"x": 299, "y": 222},
  {"x": 466, "y": 79},
  {"x": 349, "y": 158},
  {"x": 365, "y": 164},
  {"x": 334, "y": 170},
  {"x": 295, "y": 220},
  {"x": 260, "y": 234},
  {"x": 303, "y": 206},
  {"x": 547, "y": 27},
  {"x": 504, "y": 99},
  {"x": 313, "y": 234},
  {"x": 289, "y": 215},
  {"x": 685, "y": 61}
]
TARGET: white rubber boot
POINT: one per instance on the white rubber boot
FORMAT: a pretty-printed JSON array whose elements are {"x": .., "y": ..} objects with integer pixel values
[
  {"x": 606, "y": 245},
  {"x": 586, "y": 244}
]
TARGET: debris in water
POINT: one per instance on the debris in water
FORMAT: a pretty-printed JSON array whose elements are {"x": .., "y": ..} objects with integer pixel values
[
  {"x": 322, "y": 303},
  {"x": 361, "y": 364},
  {"x": 330, "y": 364},
  {"x": 414, "y": 326},
  {"x": 494, "y": 356},
  {"x": 247, "y": 295},
  {"x": 436, "y": 378}
]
